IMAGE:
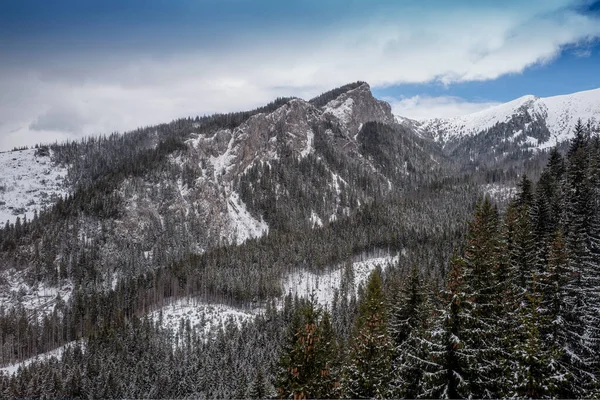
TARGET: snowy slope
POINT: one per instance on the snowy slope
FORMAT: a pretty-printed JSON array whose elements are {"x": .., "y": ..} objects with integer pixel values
[
  {"x": 207, "y": 317},
  {"x": 564, "y": 111},
  {"x": 56, "y": 353},
  {"x": 559, "y": 113},
  {"x": 27, "y": 183},
  {"x": 39, "y": 297},
  {"x": 323, "y": 286}
]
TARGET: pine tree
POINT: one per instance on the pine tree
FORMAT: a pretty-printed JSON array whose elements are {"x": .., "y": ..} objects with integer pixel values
[
  {"x": 258, "y": 390},
  {"x": 367, "y": 370},
  {"x": 409, "y": 313},
  {"x": 305, "y": 367},
  {"x": 536, "y": 372}
]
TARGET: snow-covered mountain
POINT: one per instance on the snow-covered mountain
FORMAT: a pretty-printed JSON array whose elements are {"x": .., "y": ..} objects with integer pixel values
[
  {"x": 533, "y": 122},
  {"x": 148, "y": 198}
]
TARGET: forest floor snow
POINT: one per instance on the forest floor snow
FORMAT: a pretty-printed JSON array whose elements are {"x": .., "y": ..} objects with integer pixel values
[
  {"x": 207, "y": 317},
  {"x": 57, "y": 353},
  {"x": 323, "y": 285}
]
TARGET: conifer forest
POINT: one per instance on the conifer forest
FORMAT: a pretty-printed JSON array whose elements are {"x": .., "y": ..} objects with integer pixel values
[{"x": 296, "y": 251}]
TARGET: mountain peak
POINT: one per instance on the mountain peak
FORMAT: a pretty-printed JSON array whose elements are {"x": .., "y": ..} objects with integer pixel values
[
  {"x": 557, "y": 114},
  {"x": 357, "y": 106}
]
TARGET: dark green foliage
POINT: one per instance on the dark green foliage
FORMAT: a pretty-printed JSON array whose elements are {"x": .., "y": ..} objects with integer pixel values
[
  {"x": 367, "y": 370},
  {"x": 307, "y": 366},
  {"x": 410, "y": 314}
]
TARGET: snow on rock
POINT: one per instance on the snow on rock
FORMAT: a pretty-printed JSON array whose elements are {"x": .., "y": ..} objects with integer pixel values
[
  {"x": 28, "y": 182},
  {"x": 202, "y": 316},
  {"x": 56, "y": 353},
  {"x": 341, "y": 109},
  {"x": 39, "y": 297},
  {"x": 244, "y": 225},
  {"x": 315, "y": 220},
  {"x": 223, "y": 161},
  {"x": 560, "y": 114},
  {"x": 323, "y": 286},
  {"x": 310, "y": 138}
]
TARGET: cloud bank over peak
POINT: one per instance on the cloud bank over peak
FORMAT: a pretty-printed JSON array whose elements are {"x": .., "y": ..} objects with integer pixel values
[
  {"x": 425, "y": 107},
  {"x": 118, "y": 85}
]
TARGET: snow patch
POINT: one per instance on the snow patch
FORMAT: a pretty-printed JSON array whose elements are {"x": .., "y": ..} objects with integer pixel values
[
  {"x": 315, "y": 220},
  {"x": 56, "y": 353},
  {"x": 28, "y": 183},
  {"x": 202, "y": 316},
  {"x": 244, "y": 225},
  {"x": 499, "y": 192},
  {"x": 323, "y": 285},
  {"x": 342, "y": 110},
  {"x": 223, "y": 161},
  {"x": 310, "y": 137}
]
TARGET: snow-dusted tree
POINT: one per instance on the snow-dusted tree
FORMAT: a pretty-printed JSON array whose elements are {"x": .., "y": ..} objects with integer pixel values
[
  {"x": 305, "y": 366},
  {"x": 580, "y": 313},
  {"x": 367, "y": 370},
  {"x": 536, "y": 371},
  {"x": 409, "y": 315},
  {"x": 259, "y": 389},
  {"x": 448, "y": 372},
  {"x": 468, "y": 343}
]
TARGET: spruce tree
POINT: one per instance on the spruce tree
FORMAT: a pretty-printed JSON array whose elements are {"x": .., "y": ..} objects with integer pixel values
[
  {"x": 258, "y": 390},
  {"x": 580, "y": 316},
  {"x": 409, "y": 313},
  {"x": 305, "y": 367},
  {"x": 449, "y": 371},
  {"x": 367, "y": 370},
  {"x": 536, "y": 372},
  {"x": 468, "y": 343}
]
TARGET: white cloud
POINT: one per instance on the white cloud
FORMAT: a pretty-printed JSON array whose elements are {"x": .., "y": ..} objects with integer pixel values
[
  {"x": 75, "y": 95},
  {"x": 425, "y": 107},
  {"x": 582, "y": 53}
]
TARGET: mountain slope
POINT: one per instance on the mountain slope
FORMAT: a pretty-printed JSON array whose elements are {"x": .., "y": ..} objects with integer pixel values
[
  {"x": 146, "y": 199},
  {"x": 558, "y": 114}
]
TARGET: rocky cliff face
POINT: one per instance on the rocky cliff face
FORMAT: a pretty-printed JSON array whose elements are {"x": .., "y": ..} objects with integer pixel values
[
  {"x": 207, "y": 191},
  {"x": 357, "y": 107}
]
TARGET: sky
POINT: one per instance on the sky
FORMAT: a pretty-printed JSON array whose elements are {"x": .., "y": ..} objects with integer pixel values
[{"x": 74, "y": 68}]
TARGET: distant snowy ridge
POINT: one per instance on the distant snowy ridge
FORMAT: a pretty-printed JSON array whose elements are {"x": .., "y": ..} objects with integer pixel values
[{"x": 559, "y": 113}]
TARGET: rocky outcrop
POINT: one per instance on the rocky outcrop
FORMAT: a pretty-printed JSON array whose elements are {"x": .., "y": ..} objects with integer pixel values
[{"x": 357, "y": 107}]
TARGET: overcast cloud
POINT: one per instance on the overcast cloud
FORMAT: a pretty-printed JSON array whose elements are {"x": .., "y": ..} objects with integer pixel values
[{"x": 90, "y": 91}]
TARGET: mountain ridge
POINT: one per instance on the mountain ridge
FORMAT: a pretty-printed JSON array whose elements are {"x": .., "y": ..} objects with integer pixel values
[{"x": 559, "y": 114}]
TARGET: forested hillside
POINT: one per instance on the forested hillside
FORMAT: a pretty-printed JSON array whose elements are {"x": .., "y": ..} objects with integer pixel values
[{"x": 490, "y": 288}]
